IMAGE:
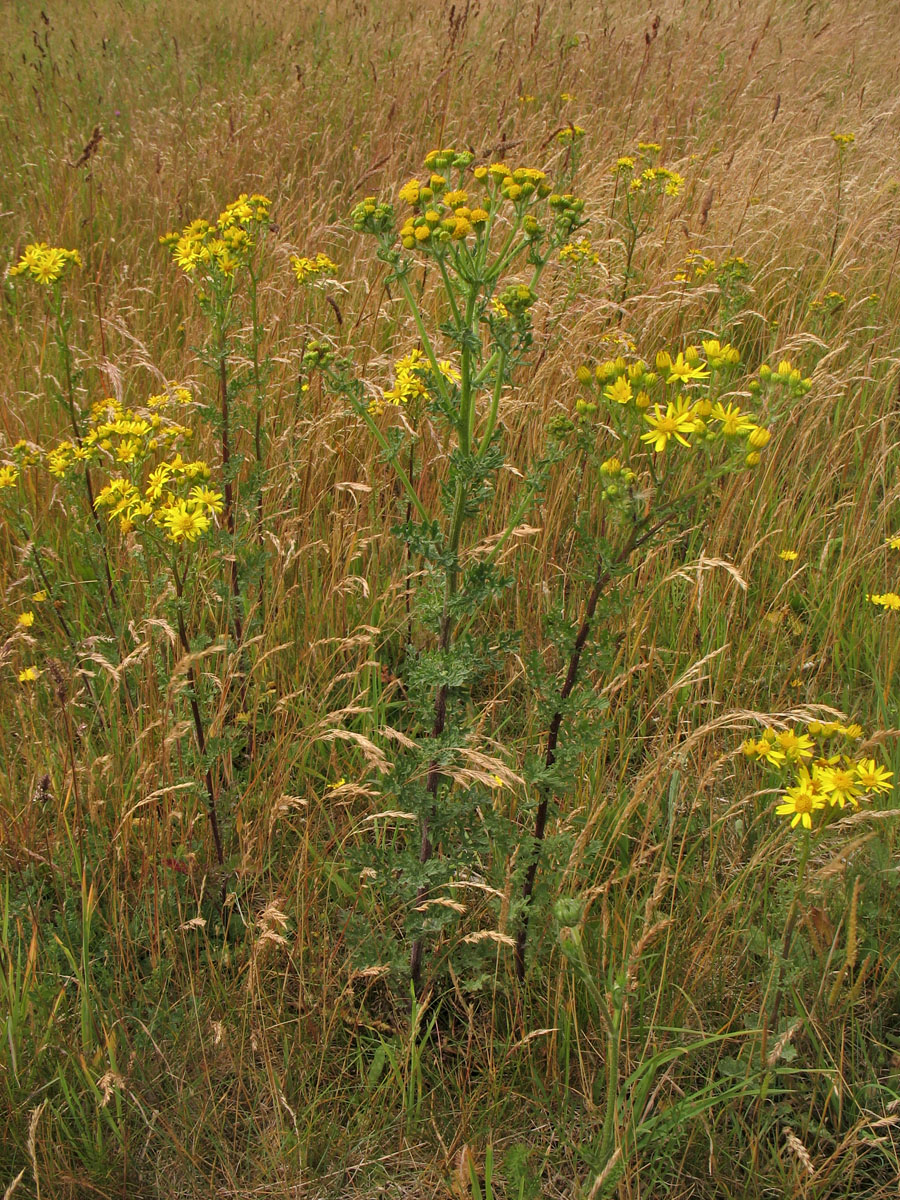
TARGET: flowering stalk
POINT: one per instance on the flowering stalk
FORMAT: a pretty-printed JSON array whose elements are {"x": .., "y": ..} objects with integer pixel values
[
  {"x": 512, "y": 220},
  {"x": 642, "y": 184},
  {"x": 212, "y": 256}
]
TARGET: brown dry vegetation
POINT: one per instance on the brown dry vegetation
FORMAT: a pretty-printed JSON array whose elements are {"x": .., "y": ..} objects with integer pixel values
[{"x": 170, "y": 1060}]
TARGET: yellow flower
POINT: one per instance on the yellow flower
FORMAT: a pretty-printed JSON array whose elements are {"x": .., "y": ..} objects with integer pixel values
[
  {"x": 759, "y": 437},
  {"x": 734, "y": 421},
  {"x": 764, "y": 750},
  {"x": 620, "y": 391},
  {"x": 788, "y": 555},
  {"x": 795, "y": 746},
  {"x": 207, "y": 498},
  {"x": 183, "y": 522},
  {"x": 306, "y": 269},
  {"x": 127, "y": 450},
  {"x": 799, "y": 804},
  {"x": 683, "y": 371},
  {"x": 25, "y": 619},
  {"x": 8, "y": 476},
  {"x": 841, "y": 784},
  {"x": 674, "y": 423},
  {"x": 872, "y": 777},
  {"x": 29, "y": 675},
  {"x": 886, "y": 600},
  {"x": 39, "y": 597},
  {"x": 410, "y": 192}
]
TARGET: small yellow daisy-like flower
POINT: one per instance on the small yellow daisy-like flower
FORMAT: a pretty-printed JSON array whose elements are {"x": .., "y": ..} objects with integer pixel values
[
  {"x": 841, "y": 784},
  {"x": 39, "y": 597},
  {"x": 8, "y": 476},
  {"x": 25, "y": 619},
  {"x": 799, "y": 804},
  {"x": 207, "y": 498},
  {"x": 764, "y": 750},
  {"x": 788, "y": 555},
  {"x": 620, "y": 391},
  {"x": 734, "y": 421},
  {"x": 885, "y": 600},
  {"x": 410, "y": 192},
  {"x": 683, "y": 371},
  {"x": 872, "y": 777},
  {"x": 183, "y": 522},
  {"x": 796, "y": 746},
  {"x": 674, "y": 423},
  {"x": 29, "y": 675}
]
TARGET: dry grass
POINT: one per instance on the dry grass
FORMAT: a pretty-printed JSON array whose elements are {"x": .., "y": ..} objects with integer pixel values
[{"x": 268, "y": 1063}]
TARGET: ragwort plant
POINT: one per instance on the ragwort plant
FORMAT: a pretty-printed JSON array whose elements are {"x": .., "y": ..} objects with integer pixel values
[
  {"x": 216, "y": 257},
  {"x": 157, "y": 505},
  {"x": 650, "y": 444},
  {"x": 150, "y": 504}
]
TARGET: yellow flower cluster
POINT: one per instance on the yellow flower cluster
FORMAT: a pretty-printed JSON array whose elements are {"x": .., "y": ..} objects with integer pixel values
[
  {"x": 831, "y": 302},
  {"x": 843, "y": 139},
  {"x": 885, "y": 599},
  {"x": 696, "y": 267},
  {"x": 307, "y": 269},
  {"x": 124, "y": 443},
  {"x": 822, "y": 779},
  {"x": 649, "y": 178},
  {"x": 664, "y": 397},
  {"x": 410, "y": 374},
  {"x": 155, "y": 500},
  {"x": 218, "y": 250},
  {"x": 45, "y": 264},
  {"x": 888, "y": 600},
  {"x": 444, "y": 212},
  {"x": 121, "y": 436},
  {"x": 578, "y": 252}
]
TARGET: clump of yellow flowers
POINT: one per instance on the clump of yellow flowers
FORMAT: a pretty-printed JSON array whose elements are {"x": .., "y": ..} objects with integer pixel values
[
  {"x": 45, "y": 264},
  {"x": 463, "y": 209},
  {"x": 886, "y": 600},
  {"x": 218, "y": 249},
  {"x": 309, "y": 269},
  {"x": 826, "y": 776},
  {"x": 678, "y": 400},
  {"x": 410, "y": 374},
  {"x": 149, "y": 484},
  {"x": 639, "y": 173}
]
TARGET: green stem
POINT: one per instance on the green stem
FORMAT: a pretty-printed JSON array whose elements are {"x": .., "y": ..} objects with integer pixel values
[
  {"x": 488, "y": 433},
  {"x": 199, "y": 731},
  {"x": 448, "y": 288}
]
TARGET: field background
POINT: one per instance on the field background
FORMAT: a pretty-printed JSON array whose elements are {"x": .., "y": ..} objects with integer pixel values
[{"x": 153, "y": 1059}]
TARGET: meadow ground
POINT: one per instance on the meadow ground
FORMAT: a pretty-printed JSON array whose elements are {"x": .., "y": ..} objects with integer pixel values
[{"x": 276, "y": 725}]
